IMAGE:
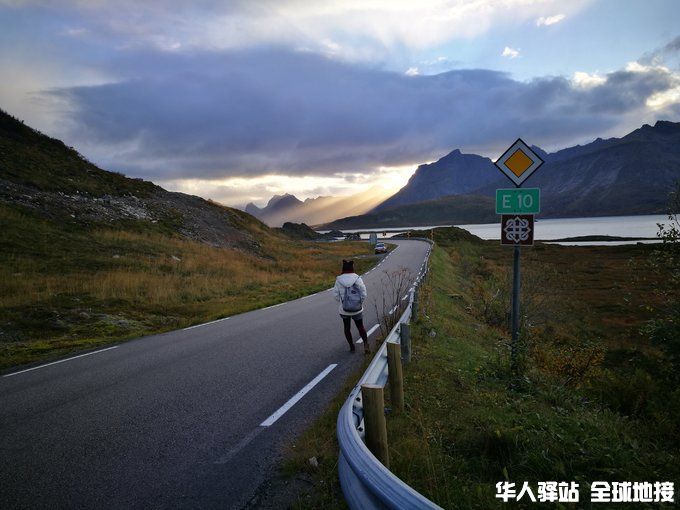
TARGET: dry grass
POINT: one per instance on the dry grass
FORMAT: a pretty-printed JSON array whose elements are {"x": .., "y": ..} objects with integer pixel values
[
  {"x": 192, "y": 272},
  {"x": 80, "y": 288}
]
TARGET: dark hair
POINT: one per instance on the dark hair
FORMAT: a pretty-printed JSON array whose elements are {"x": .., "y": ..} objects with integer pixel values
[{"x": 347, "y": 266}]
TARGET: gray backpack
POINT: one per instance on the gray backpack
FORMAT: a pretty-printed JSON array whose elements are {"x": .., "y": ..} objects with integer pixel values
[{"x": 351, "y": 301}]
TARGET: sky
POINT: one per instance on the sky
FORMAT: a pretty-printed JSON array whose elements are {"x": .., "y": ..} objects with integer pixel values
[{"x": 237, "y": 101}]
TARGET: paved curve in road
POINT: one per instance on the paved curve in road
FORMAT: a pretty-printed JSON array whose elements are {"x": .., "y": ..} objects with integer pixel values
[{"x": 186, "y": 419}]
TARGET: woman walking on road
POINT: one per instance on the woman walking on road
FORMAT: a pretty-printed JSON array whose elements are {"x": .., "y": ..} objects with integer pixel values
[{"x": 350, "y": 291}]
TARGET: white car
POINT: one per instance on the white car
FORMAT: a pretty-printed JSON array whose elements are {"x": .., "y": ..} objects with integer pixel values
[{"x": 380, "y": 248}]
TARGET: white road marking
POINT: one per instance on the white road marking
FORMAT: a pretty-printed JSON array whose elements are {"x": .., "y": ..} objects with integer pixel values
[
  {"x": 392, "y": 310},
  {"x": 272, "y": 306},
  {"x": 61, "y": 361},
  {"x": 240, "y": 446},
  {"x": 295, "y": 398},
  {"x": 206, "y": 323},
  {"x": 368, "y": 333},
  {"x": 405, "y": 297}
]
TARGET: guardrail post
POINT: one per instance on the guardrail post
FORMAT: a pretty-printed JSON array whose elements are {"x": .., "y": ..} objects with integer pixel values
[
  {"x": 374, "y": 421},
  {"x": 414, "y": 306},
  {"x": 396, "y": 377},
  {"x": 405, "y": 341}
]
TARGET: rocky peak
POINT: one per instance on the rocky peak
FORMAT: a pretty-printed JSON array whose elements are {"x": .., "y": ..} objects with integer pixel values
[
  {"x": 667, "y": 127},
  {"x": 251, "y": 208},
  {"x": 285, "y": 200}
]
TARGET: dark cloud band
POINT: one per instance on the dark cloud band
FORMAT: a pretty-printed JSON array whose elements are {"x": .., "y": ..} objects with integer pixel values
[{"x": 211, "y": 115}]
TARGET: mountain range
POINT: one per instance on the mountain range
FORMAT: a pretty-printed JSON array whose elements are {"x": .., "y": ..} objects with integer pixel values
[
  {"x": 617, "y": 176},
  {"x": 287, "y": 208}
]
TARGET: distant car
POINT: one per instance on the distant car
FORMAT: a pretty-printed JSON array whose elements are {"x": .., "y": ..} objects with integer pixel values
[{"x": 380, "y": 248}]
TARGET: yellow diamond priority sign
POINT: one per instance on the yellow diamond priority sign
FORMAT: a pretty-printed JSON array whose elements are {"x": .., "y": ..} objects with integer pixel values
[{"x": 519, "y": 162}]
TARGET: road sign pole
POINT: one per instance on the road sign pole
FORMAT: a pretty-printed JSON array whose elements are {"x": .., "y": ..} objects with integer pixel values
[
  {"x": 517, "y": 207},
  {"x": 515, "y": 311}
]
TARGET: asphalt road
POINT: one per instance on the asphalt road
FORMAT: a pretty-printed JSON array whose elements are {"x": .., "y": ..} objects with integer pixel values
[{"x": 193, "y": 418}]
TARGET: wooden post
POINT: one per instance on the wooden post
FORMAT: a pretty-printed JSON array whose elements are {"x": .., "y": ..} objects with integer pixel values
[
  {"x": 396, "y": 377},
  {"x": 405, "y": 340},
  {"x": 374, "y": 420}
]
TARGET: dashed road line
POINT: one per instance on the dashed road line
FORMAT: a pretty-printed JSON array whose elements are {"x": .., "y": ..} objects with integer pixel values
[
  {"x": 272, "y": 306},
  {"x": 296, "y": 398},
  {"x": 368, "y": 333},
  {"x": 61, "y": 361},
  {"x": 206, "y": 323},
  {"x": 240, "y": 446}
]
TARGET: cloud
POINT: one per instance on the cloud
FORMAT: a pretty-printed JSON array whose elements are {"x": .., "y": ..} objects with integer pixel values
[
  {"x": 673, "y": 46},
  {"x": 217, "y": 115},
  {"x": 667, "y": 99},
  {"x": 510, "y": 52},
  {"x": 412, "y": 71},
  {"x": 239, "y": 191},
  {"x": 668, "y": 52},
  {"x": 76, "y": 32},
  {"x": 356, "y": 31},
  {"x": 587, "y": 80},
  {"x": 546, "y": 21}
]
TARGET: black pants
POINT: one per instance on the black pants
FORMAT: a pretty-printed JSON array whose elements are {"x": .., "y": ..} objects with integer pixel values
[{"x": 359, "y": 321}]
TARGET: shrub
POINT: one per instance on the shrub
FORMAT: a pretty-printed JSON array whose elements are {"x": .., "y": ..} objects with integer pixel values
[
  {"x": 570, "y": 361},
  {"x": 627, "y": 394}
]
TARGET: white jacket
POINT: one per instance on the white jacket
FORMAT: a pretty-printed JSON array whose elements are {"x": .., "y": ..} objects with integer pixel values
[{"x": 345, "y": 281}]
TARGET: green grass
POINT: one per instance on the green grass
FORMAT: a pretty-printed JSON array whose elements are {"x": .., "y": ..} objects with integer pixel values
[
  {"x": 593, "y": 402},
  {"x": 66, "y": 287},
  {"x": 28, "y": 157}
]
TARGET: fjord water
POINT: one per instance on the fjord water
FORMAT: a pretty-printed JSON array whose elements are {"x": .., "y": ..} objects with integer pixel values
[{"x": 560, "y": 228}]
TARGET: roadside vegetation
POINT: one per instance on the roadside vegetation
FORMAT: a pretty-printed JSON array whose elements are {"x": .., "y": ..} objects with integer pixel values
[
  {"x": 594, "y": 401},
  {"x": 67, "y": 286},
  {"x": 597, "y": 398}
]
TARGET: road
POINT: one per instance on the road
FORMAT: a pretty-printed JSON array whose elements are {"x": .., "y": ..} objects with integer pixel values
[{"x": 194, "y": 418}]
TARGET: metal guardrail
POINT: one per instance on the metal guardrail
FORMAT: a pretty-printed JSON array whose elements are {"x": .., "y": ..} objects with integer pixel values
[{"x": 366, "y": 483}]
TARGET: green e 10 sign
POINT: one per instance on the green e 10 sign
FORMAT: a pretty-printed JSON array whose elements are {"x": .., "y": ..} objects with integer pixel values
[{"x": 518, "y": 201}]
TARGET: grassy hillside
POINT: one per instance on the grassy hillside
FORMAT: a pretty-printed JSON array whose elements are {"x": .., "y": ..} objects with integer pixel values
[
  {"x": 30, "y": 158},
  {"x": 596, "y": 400},
  {"x": 89, "y": 257},
  {"x": 593, "y": 403}
]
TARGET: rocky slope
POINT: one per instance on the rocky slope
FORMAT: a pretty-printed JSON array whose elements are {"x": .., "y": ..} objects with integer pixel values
[
  {"x": 630, "y": 175},
  {"x": 454, "y": 174},
  {"x": 453, "y": 210},
  {"x": 41, "y": 175}
]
